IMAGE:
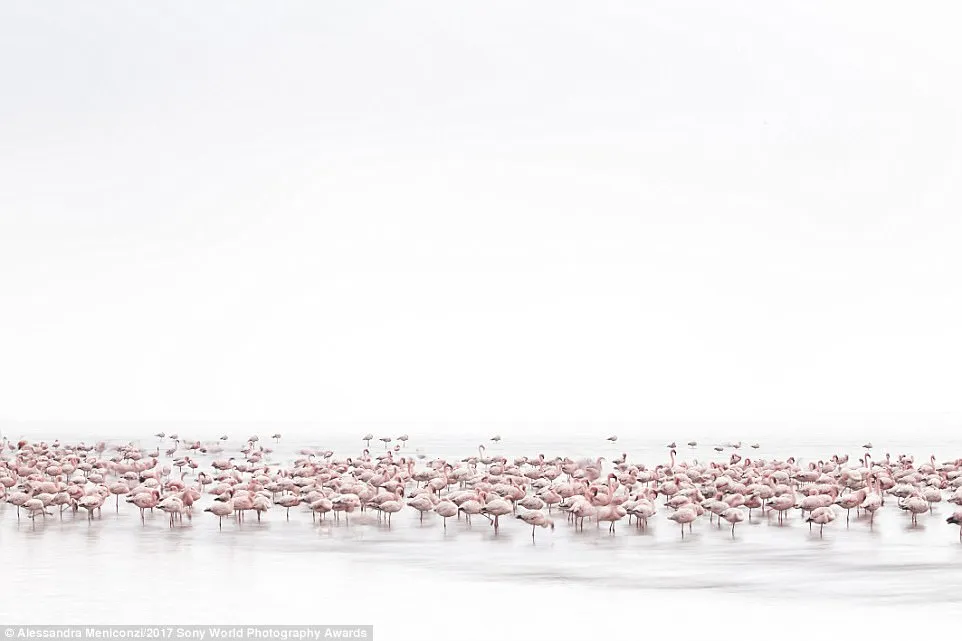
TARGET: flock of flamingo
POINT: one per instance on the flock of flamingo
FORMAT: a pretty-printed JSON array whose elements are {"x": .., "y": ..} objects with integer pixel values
[{"x": 40, "y": 478}]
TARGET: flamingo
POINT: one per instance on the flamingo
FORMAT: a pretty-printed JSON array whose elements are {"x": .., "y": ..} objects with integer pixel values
[
  {"x": 497, "y": 508},
  {"x": 682, "y": 516},
  {"x": 536, "y": 518},
  {"x": 446, "y": 509},
  {"x": 392, "y": 506},
  {"x": 260, "y": 504},
  {"x": 821, "y": 516},
  {"x": 34, "y": 507},
  {"x": 956, "y": 519},
  {"x": 90, "y": 503},
  {"x": 422, "y": 503},
  {"x": 733, "y": 515},
  {"x": 915, "y": 505},
  {"x": 782, "y": 504},
  {"x": 144, "y": 501},
  {"x": 287, "y": 502},
  {"x": 220, "y": 509},
  {"x": 871, "y": 504},
  {"x": 470, "y": 507},
  {"x": 173, "y": 506}
]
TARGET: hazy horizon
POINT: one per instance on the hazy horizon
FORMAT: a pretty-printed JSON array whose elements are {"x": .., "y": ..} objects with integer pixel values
[{"x": 928, "y": 431}]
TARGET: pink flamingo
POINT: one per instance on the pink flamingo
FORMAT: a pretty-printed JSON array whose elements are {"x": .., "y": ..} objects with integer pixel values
[
  {"x": 446, "y": 509},
  {"x": 782, "y": 504},
  {"x": 914, "y": 504},
  {"x": 610, "y": 510},
  {"x": 682, "y": 516},
  {"x": 873, "y": 501},
  {"x": 288, "y": 501},
  {"x": 496, "y": 507},
  {"x": 422, "y": 503},
  {"x": 821, "y": 516},
  {"x": 956, "y": 519},
  {"x": 471, "y": 507},
  {"x": 733, "y": 515},
  {"x": 117, "y": 489},
  {"x": 536, "y": 519},
  {"x": 90, "y": 503},
  {"x": 144, "y": 501},
  {"x": 260, "y": 504},
  {"x": 221, "y": 509}
]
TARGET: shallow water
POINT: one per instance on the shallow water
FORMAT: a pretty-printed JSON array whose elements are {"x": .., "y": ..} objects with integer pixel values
[{"x": 116, "y": 570}]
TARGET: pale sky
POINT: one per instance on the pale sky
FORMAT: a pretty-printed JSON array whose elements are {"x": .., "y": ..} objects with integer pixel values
[{"x": 485, "y": 211}]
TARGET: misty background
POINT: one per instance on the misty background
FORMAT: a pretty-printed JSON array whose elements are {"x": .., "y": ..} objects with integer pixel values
[{"x": 511, "y": 214}]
